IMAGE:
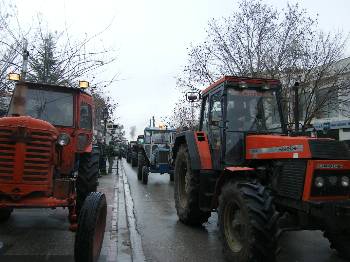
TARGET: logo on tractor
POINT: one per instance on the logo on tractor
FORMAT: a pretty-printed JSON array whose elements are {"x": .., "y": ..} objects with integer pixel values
[
  {"x": 329, "y": 166},
  {"x": 278, "y": 149}
]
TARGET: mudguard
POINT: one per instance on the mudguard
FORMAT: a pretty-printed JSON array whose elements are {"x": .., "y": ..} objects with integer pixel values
[{"x": 198, "y": 149}]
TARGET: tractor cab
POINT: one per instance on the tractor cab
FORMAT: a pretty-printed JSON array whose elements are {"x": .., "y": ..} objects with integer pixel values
[
  {"x": 234, "y": 107},
  {"x": 67, "y": 110}
]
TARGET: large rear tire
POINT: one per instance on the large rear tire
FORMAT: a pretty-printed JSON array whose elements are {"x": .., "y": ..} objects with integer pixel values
[
  {"x": 247, "y": 221},
  {"x": 339, "y": 241},
  {"x": 87, "y": 177},
  {"x": 5, "y": 214},
  {"x": 91, "y": 228},
  {"x": 186, "y": 190}
]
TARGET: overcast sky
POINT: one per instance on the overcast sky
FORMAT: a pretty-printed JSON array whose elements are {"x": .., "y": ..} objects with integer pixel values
[{"x": 150, "y": 38}]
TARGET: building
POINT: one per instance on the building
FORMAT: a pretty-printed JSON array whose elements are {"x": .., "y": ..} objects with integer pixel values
[{"x": 334, "y": 118}]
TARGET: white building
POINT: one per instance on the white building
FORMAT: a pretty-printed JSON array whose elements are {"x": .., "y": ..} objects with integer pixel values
[{"x": 334, "y": 118}]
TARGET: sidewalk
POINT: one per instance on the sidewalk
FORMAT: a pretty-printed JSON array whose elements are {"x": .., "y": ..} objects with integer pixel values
[{"x": 122, "y": 242}]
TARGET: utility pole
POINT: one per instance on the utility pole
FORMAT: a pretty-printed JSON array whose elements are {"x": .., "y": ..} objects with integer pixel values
[
  {"x": 154, "y": 121},
  {"x": 25, "y": 56},
  {"x": 296, "y": 106}
]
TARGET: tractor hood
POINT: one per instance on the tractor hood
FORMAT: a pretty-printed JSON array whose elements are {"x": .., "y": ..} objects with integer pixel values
[
  {"x": 282, "y": 147},
  {"x": 25, "y": 122}
]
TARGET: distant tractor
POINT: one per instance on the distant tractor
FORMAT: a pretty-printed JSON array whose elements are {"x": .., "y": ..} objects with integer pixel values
[
  {"x": 129, "y": 153},
  {"x": 262, "y": 181},
  {"x": 154, "y": 155},
  {"x": 47, "y": 160}
]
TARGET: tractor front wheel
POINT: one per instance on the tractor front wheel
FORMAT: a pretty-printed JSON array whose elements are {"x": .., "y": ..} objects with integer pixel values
[
  {"x": 339, "y": 241},
  {"x": 186, "y": 190},
  {"x": 5, "y": 214},
  {"x": 140, "y": 164},
  {"x": 133, "y": 160},
  {"x": 87, "y": 177},
  {"x": 145, "y": 173},
  {"x": 91, "y": 228},
  {"x": 247, "y": 221}
]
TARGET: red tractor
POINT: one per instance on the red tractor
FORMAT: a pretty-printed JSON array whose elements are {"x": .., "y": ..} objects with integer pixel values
[
  {"x": 47, "y": 160},
  {"x": 262, "y": 181}
]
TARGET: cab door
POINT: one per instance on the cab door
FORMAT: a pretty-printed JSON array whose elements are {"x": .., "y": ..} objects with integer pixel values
[{"x": 215, "y": 127}]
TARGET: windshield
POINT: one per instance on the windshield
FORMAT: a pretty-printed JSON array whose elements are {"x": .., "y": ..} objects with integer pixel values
[
  {"x": 250, "y": 110},
  {"x": 159, "y": 137},
  {"x": 51, "y": 106}
]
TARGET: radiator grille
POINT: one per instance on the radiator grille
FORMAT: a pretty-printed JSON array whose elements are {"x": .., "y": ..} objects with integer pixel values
[
  {"x": 7, "y": 155},
  {"x": 163, "y": 157},
  {"x": 329, "y": 149},
  {"x": 291, "y": 179},
  {"x": 37, "y": 157}
]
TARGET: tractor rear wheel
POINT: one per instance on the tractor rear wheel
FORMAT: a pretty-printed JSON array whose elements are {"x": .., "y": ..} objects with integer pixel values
[
  {"x": 140, "y": 164},
  {"x": 339, "y": 241},
  {"x": 5, "y": 214},
  {"x": 87, "y": 177},
  {"x": 186, "y": 190},
  {"x": 91, "y": 228},
  {"x": 145, "y": 173},
  {"x": 247, "y": 221},
  {"x": 128, "y": 159}
]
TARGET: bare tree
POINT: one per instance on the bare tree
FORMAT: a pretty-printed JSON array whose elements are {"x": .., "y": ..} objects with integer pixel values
[{"x": 260, "y": 41}]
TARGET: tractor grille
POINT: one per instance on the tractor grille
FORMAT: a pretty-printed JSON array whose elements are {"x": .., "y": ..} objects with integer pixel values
[
  {"x": 291, "y": 179},
  {"x": 329, "y": 149},
  {"x": 37, "y": 157},
  {"x": 163, "y": 157},
  {"x": 33, "y": 166},
  {"x": 7, "y": 155}
]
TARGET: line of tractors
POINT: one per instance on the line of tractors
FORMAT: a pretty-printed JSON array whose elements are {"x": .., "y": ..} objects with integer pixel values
[{"x": 242, "y": 162}]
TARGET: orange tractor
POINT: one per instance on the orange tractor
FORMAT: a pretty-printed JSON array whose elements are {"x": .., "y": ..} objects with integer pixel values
[
  {"x": 262, "y": 181},
  {"x": 47, "y": 160}
]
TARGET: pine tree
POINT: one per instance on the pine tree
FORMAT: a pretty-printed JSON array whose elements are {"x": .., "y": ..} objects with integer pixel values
[{"x": 45, "y": 67}]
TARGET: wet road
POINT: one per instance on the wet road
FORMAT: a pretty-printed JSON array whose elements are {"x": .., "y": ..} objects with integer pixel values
[
  {"x": 42, "y": 234},
  {"x": 164, "y": 238}
]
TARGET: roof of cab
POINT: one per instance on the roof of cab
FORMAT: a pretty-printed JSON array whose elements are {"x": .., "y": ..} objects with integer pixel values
[
  {"x": 160, "y": 129},
  {"x": 52, "y": 86},
  {"x": 237, "y": 79}
]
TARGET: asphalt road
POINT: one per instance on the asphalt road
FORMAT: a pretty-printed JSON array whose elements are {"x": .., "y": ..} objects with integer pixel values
[
  {"x": 38, "y": 235},
  {"x": 164, "y": 238}
]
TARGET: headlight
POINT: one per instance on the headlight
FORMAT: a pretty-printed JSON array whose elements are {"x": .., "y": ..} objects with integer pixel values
[
  {"x": 63, "y": 139},
  {"x": 319, "y": 182},
  {"x": 345, "y": 181}
]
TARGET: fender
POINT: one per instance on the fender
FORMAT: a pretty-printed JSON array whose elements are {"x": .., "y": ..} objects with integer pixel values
[
  {"x": 198, "y": 149},
  {"x": 227, "y": 174}
]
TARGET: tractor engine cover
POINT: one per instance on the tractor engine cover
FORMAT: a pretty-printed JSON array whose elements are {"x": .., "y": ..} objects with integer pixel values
[{"x": 27, "y": 149}]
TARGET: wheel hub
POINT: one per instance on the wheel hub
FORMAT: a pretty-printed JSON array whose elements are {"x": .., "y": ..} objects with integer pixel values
[{"x": 234, "y": 227}]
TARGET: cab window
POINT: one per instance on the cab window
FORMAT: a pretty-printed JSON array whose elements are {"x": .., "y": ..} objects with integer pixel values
[{"x": 85, "y": 116}]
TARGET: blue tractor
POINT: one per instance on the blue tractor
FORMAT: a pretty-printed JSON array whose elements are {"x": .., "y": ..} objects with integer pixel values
[{"x": 154, "y": 154}]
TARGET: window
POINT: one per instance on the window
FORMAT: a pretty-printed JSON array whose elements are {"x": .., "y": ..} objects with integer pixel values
[
  {"x": 48, "y": 105},
  {"x": 205, "y": 116},
  {"x": 327, "y": 102},
  {"x": 215, "y": 119},
  {"x": 85, "y": 116}
]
